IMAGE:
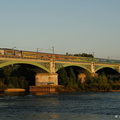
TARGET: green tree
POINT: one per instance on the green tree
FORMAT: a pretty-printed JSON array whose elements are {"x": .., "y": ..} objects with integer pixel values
[
  {"x": 13, "y": 77},
  {"x": 2, "y": 86},
  {"x": 63, "y": 77},
  {"x": 72, "y": 77}
]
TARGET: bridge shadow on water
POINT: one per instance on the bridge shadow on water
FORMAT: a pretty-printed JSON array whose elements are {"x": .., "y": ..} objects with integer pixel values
[{"x": 24, "y": 93}]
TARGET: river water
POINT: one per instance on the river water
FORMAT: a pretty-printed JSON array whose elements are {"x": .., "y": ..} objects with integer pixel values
[{"x": 61, "y": 106}]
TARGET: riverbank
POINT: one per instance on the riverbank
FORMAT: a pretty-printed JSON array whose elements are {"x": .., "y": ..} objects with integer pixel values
[
  {"x": 60, "y": 89},
  {"x": 14, "y": 90},
  {"x": 71, "y": 89},
  {"x": 114, "y": 91}
]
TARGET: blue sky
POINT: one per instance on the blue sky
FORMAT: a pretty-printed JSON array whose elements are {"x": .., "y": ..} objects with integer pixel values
[{"x": 73, "y": 26}]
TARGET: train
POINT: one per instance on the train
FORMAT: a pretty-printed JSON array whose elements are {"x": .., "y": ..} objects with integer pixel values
[{"x": 5, "y": 52}]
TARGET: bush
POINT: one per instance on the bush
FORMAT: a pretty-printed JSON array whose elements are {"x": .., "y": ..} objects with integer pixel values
[
  {"x": 11, "y": 86},
  {"x": 3, "y": 86},
  {"x": 115, "y": 86}
]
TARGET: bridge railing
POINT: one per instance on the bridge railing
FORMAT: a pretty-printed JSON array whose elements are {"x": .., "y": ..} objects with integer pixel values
[{"x": 89, "y": 60}]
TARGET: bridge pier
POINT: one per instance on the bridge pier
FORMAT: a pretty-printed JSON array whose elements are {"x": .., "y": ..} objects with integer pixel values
[
  {"x": 46, "y": 82},
  {"x": 93, "y": 69},
  {"x": 52, "y": 66},
  {"x": 46, "y": 79}
]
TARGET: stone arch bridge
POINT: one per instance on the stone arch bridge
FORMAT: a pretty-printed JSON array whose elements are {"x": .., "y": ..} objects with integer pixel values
[{"x": 52, "y": 66}]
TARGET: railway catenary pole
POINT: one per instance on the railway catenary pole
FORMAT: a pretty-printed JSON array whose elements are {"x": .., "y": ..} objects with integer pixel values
[
  {"x": 14, "y": 49},
  {"x": 37, "y": 50},
  {"x": 53, "y": 60},
  {"x": 37, "y": 53}
]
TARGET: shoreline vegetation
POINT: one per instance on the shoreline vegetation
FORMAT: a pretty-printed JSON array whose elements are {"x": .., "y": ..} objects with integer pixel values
[
  {"x": 74, "y": 90},
  {"x": 17, "y": 78},
  {"x": 97, "y": 83}
]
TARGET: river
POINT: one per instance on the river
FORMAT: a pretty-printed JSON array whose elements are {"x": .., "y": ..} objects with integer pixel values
[{"x": 61, "y": 106}]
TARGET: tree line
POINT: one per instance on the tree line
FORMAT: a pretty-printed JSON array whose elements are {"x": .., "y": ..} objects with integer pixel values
[
  {"x": 16, "y": 76},
  {"x": 81, "y": 55},
  {"x": 100, "y": 82}
]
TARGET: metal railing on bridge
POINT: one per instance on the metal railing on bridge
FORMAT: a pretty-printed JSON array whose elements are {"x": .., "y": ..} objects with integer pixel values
[{"x": 81, "y": 59}]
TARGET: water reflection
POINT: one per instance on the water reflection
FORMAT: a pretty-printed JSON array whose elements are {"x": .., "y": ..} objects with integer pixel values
[
  {"x": 42, "y": 93},
  {"x": 61, "y": 106},
  {"x": 15, "y": 93},
  {"x": 23, "y": 93}
]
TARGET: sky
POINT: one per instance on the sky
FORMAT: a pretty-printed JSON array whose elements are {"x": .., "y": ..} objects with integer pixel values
[{"x": 73, "y": 26}]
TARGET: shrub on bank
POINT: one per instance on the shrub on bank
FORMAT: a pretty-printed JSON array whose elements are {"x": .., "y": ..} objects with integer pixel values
[
  {"x": 2, "y": 86},
  {"x": 11, "y": 86},
  {"x": 115, "y": 86}
]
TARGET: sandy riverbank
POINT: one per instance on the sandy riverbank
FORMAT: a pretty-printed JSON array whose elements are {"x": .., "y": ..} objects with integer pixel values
[
  {"x": 14, "y": 90},
  {"x": 114, "y": 90}
]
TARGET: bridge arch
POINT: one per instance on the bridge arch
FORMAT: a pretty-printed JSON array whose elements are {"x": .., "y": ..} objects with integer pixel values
[
  {"x": 24, "y": 62},
  {"x": 68, "y": 65},
  {"x": 102, "y": 67}
]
